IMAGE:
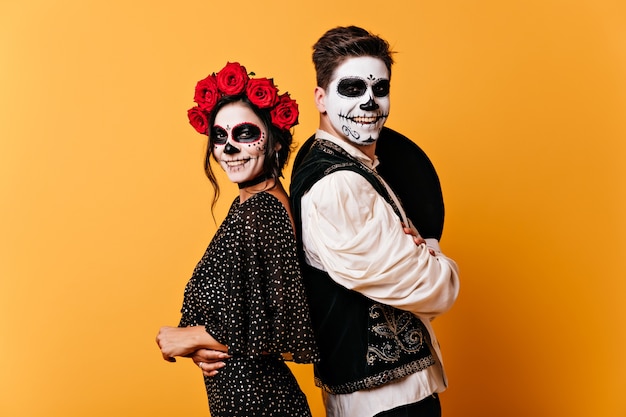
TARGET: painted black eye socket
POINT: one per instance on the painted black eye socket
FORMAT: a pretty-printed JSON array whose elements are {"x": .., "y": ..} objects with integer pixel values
[
  {"x": 356, "y": 87},
  {"x": 381, "y": 88},
  {"x": 246, "y": 133},
  {"x": 242, "y": 133},
  {"x": 352, "y": 87},
  {"x": 219, "y": 135}
]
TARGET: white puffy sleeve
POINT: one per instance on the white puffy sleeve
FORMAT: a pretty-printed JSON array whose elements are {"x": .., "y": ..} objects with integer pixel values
[{"x": 351, "y": 232}]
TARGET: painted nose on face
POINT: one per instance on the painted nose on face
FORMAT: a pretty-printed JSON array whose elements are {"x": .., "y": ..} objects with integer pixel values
[
  {"x": 230, "y": 149},
  {"x": 369, "y": 106}
]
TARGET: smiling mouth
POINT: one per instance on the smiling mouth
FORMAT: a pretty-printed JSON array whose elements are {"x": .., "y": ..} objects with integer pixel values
[
  {"x": 236, "y": 162},
  {"x": 365, "y": 120}
]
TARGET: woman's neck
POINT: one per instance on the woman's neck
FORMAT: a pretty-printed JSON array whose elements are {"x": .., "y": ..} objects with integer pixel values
[
  {"x": 254, "y": 181},
  {"x": 256, "y": 185}
]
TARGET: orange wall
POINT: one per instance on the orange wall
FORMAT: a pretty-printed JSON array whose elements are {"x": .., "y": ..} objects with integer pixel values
[{"x": 104, "y": 209}]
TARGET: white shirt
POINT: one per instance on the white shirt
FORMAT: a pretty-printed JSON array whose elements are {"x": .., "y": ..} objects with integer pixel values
[{"x": 351, "y": 232}]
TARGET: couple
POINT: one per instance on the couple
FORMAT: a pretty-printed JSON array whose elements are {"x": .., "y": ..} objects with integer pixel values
[{"x": 339, "y": 275}]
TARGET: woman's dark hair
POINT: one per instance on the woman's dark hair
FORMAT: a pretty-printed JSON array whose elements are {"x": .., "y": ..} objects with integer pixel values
[
  {"x": 341, "y": 43},
  {"x": 275, "y": 160}
]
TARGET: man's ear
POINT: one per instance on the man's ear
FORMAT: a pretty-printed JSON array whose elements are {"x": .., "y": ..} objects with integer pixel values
[{"x": 320, "y": 95}]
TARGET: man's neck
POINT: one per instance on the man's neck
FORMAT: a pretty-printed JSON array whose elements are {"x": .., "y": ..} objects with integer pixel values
[{"x": 369, "y": 150}]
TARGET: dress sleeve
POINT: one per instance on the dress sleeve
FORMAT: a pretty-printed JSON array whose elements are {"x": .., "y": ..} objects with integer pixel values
[
  {"x": 354, "y": 234},
  {"x": 278, "y": 319}
]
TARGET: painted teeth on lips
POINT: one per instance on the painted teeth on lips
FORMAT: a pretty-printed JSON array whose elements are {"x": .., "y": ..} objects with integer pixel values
[
  {"x": 236, "y": 162},
  {"x": 365, "y": 120}
]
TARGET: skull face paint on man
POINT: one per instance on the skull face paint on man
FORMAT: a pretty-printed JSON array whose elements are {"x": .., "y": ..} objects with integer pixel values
[
  {"x": 239, "y": 141},
  {"x": 357, "y": 99}
]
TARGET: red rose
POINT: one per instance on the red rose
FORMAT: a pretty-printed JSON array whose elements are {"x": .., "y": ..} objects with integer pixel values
[
  {"x": 285, "y": 114},
  {"x": 198, "y": 119},
  {"x": 206, "y": 93},
  {"x": 232, "y": 79},
  {"x": 262, "y": 92}
]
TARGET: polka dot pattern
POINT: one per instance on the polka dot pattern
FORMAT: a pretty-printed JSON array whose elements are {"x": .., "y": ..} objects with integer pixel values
[
  {"x": 261, "y": 386},
  {"x": 247, "y": 291}
]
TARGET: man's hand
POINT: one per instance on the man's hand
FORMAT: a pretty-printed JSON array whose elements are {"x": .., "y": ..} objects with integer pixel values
[{"x": 416, "y": 237}]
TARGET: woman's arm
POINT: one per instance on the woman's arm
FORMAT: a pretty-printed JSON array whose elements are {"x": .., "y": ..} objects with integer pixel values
[{"x": 184, "y": 341}]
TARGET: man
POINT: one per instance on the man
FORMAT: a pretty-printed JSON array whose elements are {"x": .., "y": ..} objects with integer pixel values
[{"x": 373, "y": 283}]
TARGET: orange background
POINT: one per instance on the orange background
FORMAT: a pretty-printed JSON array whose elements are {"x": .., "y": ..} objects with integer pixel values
[{"x": 104, "y": 207}]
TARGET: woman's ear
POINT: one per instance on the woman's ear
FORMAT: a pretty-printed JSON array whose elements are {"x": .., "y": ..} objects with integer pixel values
[{"x": 320, "y": 95}]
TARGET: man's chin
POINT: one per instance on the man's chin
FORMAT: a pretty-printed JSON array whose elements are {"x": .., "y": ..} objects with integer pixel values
[
  {"x": 367, "y": 136},
  {"x": 369, "y": 141}
]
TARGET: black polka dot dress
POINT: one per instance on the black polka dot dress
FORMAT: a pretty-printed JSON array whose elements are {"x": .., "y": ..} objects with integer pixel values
[{"x": 248, "y": 293}]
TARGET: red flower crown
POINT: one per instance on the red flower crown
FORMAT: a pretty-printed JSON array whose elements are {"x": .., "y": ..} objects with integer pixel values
[{"x": 233, "y": 80}]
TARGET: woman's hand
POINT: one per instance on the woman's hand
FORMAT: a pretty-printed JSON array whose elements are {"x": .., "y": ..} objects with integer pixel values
[
  {"x": 210, "y": 361},
  {"x": 183, "y": 341}
]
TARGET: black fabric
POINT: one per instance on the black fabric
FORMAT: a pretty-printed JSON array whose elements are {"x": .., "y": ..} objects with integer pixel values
[
  {"x": 329, "y": 158},
  {"x": 247, "y": 288},
  {"x": 362, "y": 344},
  {"x": 256, "y": 387},
  {"x": 410, "y": 174},
  {"x": 351, "y": 332},
  {"x": 247, "y": 291}
]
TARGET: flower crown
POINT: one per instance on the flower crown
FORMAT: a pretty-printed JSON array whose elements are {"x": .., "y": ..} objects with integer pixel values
[{"x": 234, "y": 80}]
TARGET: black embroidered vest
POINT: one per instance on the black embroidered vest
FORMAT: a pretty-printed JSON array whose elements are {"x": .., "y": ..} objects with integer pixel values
[{"x": 363, "y": 343}]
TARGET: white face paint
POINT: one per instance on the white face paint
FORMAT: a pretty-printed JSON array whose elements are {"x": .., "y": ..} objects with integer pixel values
[
  {"x": 357, "y": 99},
  {"x": 239, "y": 142}
]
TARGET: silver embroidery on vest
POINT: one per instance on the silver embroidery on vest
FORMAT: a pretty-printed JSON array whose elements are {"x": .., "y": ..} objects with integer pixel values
[{"x": 396, "y": 332}]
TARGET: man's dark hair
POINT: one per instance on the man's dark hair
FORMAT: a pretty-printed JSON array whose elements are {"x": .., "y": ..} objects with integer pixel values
[{"x": 341, "y": 43}]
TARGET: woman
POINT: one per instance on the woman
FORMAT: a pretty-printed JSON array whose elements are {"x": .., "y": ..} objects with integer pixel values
[{"x": 245, "y": 297}]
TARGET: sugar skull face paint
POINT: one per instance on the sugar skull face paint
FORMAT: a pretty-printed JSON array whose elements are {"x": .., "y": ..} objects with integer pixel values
[
  {"x": 357, "y": 99},
  {"x": 239, "y": 141}
]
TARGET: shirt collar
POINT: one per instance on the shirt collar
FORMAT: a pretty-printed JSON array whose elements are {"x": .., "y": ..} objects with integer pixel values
[{"x": 353, "y": 150}]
